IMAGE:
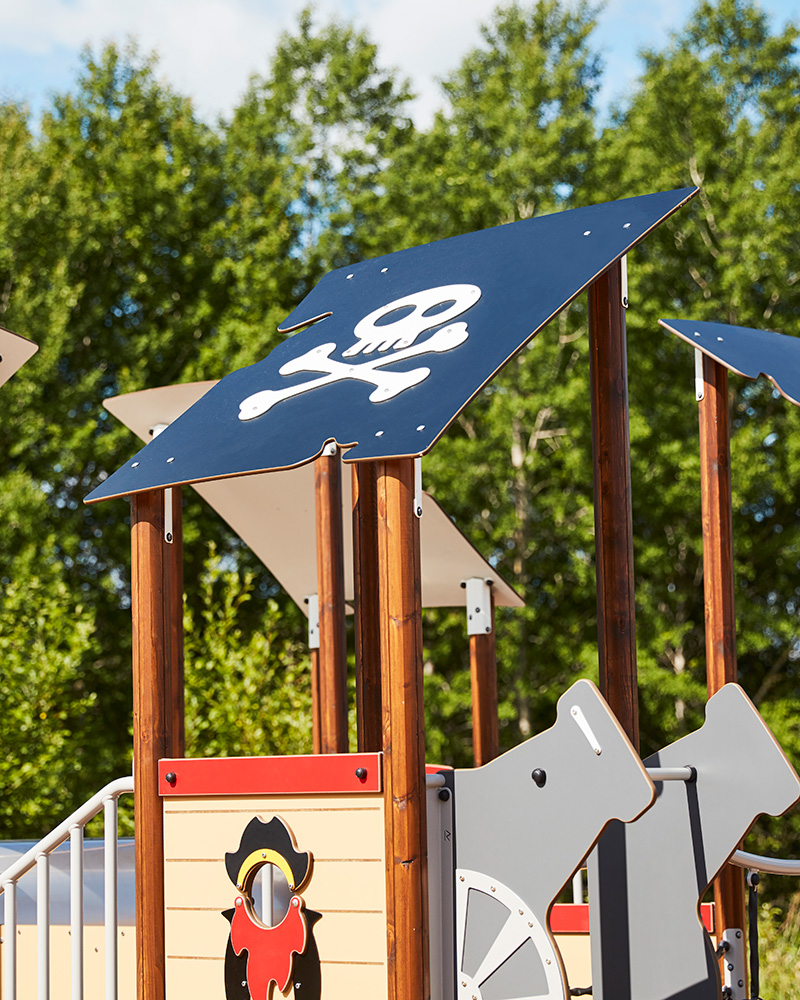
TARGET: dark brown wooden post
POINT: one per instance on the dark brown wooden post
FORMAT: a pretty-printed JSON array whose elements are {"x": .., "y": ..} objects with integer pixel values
[
  {"x": 403, "y": 731},
  {"x": 150, "y": 711},
  {"x": 367, "y": 622},
  {"x": 718, "y": 583},
  {"x": 332, "y": 664},
  {"x": 613, "y": 519},
  {"x": 483, "y": 677},
  {"x": 173, "y": 610}
]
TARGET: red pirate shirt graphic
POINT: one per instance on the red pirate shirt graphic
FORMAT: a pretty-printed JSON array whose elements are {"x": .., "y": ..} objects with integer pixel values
[{"x": 269, "y": 949}]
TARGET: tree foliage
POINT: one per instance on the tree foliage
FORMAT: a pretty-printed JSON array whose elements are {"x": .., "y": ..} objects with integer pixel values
[{"x": 141, "y": 246}]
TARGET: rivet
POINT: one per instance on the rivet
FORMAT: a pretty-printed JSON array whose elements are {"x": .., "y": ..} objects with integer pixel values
[
  {"x": 238, "y": 898},
  {"x": 730, "y": 968},
  {"x": 547, "y": 960},
  {"x": 627, "y": 225},
  {"x": 738, "y": 934},
  {"x": 488, "y": 629},
  {"x": 588, "y": 232},
  {"x": 263, "y": 854},
  {"x": 378, "y": 434},
  {"x": 295, "y": 901},
  {"x": 530, "y": 923},
  {"x": 349, "y": 276},
  {"x": 238, "y": 886},
  {"x": 244, "y": 982},
  {"x": 462, "y": 879},
  {"x": 421, "y": 427},
  {"x": 384, "y": 270},
  {"x": 169, "y": 536},
  {"x": 521, "y": 912},
  {"x": 135, "y": 465},
  {"x": 170, "y": 460},
  {"x": 361, "y": 773},
  {"x": 171, "y": 777},
  {"x": 741, "y": 982},
  {"x": 696, "y": 333},
  {"x": 720, "y": 338},
  {"x": 494, "y": 889},
  {"x": 463, "y": 984}
]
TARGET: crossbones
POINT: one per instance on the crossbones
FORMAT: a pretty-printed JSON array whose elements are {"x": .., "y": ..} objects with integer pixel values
[{"x": 387, "y": 384}]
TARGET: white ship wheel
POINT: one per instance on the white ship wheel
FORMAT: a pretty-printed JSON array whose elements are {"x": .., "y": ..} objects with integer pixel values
[{"x": 520, "y": 926}]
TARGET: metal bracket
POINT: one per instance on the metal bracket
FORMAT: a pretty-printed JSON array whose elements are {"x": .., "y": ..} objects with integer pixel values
[
  {"x": 624, "y": 270},
  {"x": 313, "y": 621},
  {"x": 699, "y": 380},
  {"x": 479, "y": 606},
  {"x": 330, "y": 449},
  {"x": 169, "y": 535},
  {"x": 418, "y": 487},
  {"x": 733, "y": 963}
]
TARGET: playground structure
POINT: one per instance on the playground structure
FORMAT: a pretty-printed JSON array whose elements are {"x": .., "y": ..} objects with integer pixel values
[{"x": 388, "y": 877}]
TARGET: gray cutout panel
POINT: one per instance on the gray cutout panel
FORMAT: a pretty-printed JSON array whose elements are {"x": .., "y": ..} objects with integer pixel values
[
  {"x": 646, "y": 879},
  {"x": 14, "y": 352},
  {"x": 530, "y": 840}
]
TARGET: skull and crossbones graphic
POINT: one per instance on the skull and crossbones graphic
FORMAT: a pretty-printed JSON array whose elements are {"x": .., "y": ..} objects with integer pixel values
[{"x": 392, "y": 327}]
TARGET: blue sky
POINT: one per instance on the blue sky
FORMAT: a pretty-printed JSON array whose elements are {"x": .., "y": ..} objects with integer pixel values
[{"x": 209, "y": 48}]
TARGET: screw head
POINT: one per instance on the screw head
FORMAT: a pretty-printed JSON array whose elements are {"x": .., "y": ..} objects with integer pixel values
[
  {"x": 361, "y": 773},
  {"x": 539, "y": 776},
  {"x": 171, "y": 777},
  {"x": 169, "y": 536},
  {"x": 444, "y": 794}
]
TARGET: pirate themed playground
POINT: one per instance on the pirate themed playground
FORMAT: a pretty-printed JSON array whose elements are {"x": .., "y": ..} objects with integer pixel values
[{"x": 377, "y": 873}]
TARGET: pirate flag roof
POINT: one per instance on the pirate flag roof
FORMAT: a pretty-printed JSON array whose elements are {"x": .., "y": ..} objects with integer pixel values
[
  {"x": 394, "y": 348},
  {"x": 14, "y": 352},
  {"x": 746, "y": 351}
]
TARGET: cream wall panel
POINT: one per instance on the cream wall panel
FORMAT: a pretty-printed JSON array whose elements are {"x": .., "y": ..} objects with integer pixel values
[{"x": 577, "y": 958}]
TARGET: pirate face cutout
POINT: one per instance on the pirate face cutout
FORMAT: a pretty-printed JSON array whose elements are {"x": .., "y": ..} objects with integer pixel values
[{"x": 258, "y": 954}]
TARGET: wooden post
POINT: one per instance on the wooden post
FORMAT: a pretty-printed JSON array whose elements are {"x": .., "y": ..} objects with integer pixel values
[
  {"x": 483, "y": 677},
  {"x": 403, "y": 731},
  {"x": 150, "y": 711},
  {"x": 613, "y": 518},
  {"x": 332, "y": 664},
  {"x": 718, "y": 583},
  {"x": 367, "y": 627},
  {"x": 173, "y": 611}
]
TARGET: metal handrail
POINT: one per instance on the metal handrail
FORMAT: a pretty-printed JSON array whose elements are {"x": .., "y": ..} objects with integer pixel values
[
  {"x": 71, "y": 829},
  {"x": 758, "y": 863}
]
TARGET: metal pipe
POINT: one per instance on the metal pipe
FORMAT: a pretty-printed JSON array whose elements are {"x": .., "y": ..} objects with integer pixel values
[
  {"x": 43, "y": 926},
  {"x": 76, "y": 908},
  {"x": 434, "y": 780},
  {"x": 671, "y": 773},
  {"x": 10, "y": 949},
  {"x": 110, "y": 893},
  {"x": 774, "y": 866}
]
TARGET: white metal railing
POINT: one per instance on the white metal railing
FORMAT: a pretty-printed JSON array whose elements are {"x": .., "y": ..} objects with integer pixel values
[
  {"x": 71, "y": 829},
  {"x": 773, "y": 866}
]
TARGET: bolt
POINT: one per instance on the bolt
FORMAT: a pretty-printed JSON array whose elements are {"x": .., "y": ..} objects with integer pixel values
[
  {"x": 539, "y": 776},
  {"x": 738, "y": 934},
  {"x": 730, "y": 968},
  {"x": 171, "y": 777},
  {"x": 444, "y": 794},
  {"x": 741, "y": 982},
  {"x": 169, "y": 536},
  {"x": 361, "y": 773},
  {"x": 488, "y": 629}
]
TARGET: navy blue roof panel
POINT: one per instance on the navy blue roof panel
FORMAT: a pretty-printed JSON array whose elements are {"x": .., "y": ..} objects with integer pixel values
[
  {"x": 746, "y": 351},
  {"x": 393, "y": 348}
]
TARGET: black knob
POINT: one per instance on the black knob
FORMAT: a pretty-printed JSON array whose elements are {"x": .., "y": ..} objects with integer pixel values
[
  {"x": 539, "y": 777},
  {"x": 171, "y": 777},
  {"x": 361, "y": 773}
]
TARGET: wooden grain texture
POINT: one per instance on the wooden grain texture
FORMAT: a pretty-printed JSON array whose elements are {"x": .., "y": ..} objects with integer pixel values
[
  {"x": 150, "y": 711},
  {"x": 332, "y": 669},
  {"x": 718, "y": 583},
  {"x": 483, "y": 677},
  {"x": 367, "y": 627},
  {"x": 399, "y": 594},
  {"x": 173, "y": 611},
  {"x": 616, "y": 618},
  {"x": 316, "y": 708}
]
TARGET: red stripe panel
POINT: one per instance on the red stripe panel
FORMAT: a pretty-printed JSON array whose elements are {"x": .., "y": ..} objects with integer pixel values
[
  {"x": 573, "y": 918},
  {"x": 297, "y": 775}
]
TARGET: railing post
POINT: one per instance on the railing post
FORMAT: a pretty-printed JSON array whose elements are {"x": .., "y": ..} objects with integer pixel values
[
  {"x": 10, "y": 933},
  {"x": 43, "y": 927},
  {"x": 367, "y": 618},
  {"x": 76, "y": 908},
  {"x": 110, "y": 857}
]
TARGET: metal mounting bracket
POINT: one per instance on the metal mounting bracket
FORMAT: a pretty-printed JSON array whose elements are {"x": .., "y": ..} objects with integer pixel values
[
  {"x": 624, "y": 269},
  {"x": 313, "y": 621},
  {"x": 699, "y": 380},
  {"x": 418, "y": 487},
  {"x": 169, "y": 534},
  {"x": 734, "y": 963},
  {"x": 479, "y": 606}
]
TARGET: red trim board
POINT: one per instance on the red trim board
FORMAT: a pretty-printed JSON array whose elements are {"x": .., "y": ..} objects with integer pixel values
[
  {"x": 312, "y": 774},
  {"x": 573, "y": 918}
]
